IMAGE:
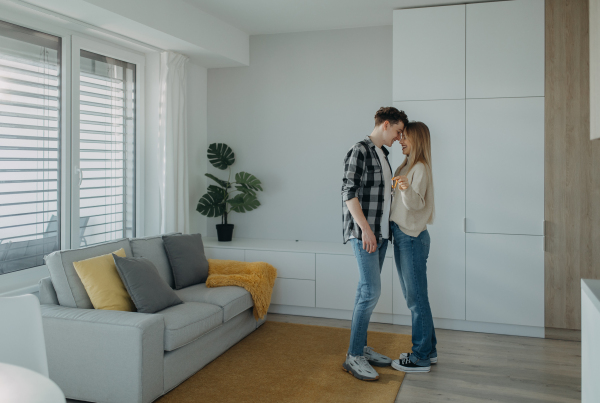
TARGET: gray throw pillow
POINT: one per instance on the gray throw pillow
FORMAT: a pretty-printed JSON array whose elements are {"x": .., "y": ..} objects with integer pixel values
[
  {"x": 187, "y": 259},
  {"x": 149, "y": 292}
]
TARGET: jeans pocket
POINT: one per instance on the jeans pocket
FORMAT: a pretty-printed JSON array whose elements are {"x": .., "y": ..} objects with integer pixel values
[{"x": 425, "y": 239}]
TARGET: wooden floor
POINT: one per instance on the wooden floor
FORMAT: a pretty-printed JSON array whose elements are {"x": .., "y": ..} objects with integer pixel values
[{"x": 480, "y": 367}]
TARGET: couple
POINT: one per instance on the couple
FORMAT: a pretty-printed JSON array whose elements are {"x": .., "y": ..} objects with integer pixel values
[{"x": 378, "y": 208}]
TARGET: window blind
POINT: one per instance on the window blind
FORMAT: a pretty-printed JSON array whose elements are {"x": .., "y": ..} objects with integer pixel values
[
  {"x": 107, "y": 149},
  {"x": 29, "y": 146}
]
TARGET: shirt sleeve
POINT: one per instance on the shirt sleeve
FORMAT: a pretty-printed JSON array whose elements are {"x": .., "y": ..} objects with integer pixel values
[
  {"x": 413, "y": 197},
  {"x": 354, "y": 167}
]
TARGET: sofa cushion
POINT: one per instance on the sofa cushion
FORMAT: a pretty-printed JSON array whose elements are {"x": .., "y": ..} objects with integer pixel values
[
  {"x": 67, "y": 284},
  {"x": 186, "y": 322},
  {"x": 153, "y": 249},
  {"x": 187, "y": 259},
  {"x": 103, "y": 284},
  {"x": 149, "y": 292},
  {"x": 233, "y": 300}
]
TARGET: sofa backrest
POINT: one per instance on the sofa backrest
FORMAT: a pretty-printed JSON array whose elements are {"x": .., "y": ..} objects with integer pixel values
[
  {"x": 69, "y": 288},
  {"x": 153, "y": 249}
]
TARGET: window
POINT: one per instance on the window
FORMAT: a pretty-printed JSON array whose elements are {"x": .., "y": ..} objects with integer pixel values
[
  {"x": 30, "y": 77},
  {"x": 107, "y": 144}
]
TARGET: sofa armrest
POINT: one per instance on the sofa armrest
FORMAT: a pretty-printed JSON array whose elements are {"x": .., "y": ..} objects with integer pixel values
[{"x": 104, "y": 356}]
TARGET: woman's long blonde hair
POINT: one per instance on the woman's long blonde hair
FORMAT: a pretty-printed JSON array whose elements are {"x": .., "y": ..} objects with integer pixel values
[{"x": 420, "y": 141}]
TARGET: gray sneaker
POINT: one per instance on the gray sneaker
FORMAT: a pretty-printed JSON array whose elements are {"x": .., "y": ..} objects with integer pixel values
[
  {"x": 376, "y": 359},
  {"x": 360, "y": 368},
  {"x": 433, "y": 360}
]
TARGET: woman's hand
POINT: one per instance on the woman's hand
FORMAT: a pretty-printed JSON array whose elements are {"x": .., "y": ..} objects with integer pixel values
[{"x": 400, "y": 181}]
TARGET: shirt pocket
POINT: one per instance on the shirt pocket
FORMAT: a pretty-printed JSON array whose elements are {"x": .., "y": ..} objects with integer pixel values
[{"x": 373, "y": 176}]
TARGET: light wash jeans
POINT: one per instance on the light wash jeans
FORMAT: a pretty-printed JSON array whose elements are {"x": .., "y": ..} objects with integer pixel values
[
  {"x": 410, "y": 255},
  {"x": 367, "y": 293}
]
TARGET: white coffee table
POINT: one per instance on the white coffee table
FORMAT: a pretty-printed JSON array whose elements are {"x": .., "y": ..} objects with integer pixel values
[{"x": 22, "y": 385}]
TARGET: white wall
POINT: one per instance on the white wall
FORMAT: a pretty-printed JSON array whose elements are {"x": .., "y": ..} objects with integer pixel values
[
  {"x": 290, "y": 118},
  {"x": 197, "y": 143}
]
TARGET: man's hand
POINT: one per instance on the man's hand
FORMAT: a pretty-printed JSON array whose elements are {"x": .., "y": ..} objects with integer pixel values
[
  {"x": 400, "y": 181},
  {"x": 369, "y": 240}
]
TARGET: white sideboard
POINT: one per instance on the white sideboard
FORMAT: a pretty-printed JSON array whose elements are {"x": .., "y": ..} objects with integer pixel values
[{"x": 320, "y": 279}]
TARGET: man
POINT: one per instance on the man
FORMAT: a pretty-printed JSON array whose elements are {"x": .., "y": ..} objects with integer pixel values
[{"x": 366, "y": 195}]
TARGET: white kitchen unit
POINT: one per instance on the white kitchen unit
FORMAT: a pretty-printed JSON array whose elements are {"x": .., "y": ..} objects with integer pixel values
[
  {"x": 590, "y": 334},
  {"x": 505, "y": 49},
  {"x": 505, "y": 279},
  {"x": 446, "y": 263},
  {"x": 429, "y": 53},
  {"x": 293, "y": 292},
  {"x": 337, "y": 279},
  {"x": 289, "y": 265},
  {"x": 505, "y": 166},
  {"x": 224, "y": 254}
]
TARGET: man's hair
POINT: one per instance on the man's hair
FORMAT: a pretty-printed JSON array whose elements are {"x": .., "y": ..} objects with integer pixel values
[{"x": 390, "y": 114}]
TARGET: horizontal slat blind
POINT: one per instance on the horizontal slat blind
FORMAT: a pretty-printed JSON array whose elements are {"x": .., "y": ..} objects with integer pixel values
[
  {"x": 29, "y": 146},
  {"x": 107, "y": 144}
]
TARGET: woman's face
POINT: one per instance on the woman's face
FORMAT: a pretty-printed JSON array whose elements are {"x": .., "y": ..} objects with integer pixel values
[{"x": 406, "y": 144}]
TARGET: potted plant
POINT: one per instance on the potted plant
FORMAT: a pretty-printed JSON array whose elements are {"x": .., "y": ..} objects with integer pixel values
[{"x": 219, "y": 199}]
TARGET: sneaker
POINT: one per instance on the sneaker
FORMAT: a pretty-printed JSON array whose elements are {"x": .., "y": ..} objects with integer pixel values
[
  {"x": 360, "y": 368},
  {"x": 406, "y": 365},
  {"x": 433, "y": 360},
  {"x": 376, "y": 359}
]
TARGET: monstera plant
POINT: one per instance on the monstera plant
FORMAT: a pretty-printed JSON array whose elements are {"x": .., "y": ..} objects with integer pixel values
[{"x": 227, "y": 196}]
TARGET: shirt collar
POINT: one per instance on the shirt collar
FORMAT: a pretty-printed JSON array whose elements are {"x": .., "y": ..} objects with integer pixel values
[{"x": 372, "y": 145}]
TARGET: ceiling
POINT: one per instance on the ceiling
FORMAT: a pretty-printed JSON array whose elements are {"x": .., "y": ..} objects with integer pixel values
[{"x": 277, "y": 16}]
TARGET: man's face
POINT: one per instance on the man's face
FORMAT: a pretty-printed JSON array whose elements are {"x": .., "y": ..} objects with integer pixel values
[{"x": 392, "y": 133}]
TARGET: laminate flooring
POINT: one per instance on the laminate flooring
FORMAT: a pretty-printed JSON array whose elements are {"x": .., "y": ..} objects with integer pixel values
[{"x": 480, "y": 367}]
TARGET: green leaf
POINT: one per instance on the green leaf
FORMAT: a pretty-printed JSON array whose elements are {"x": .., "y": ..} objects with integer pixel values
[
  {"x": 250, "y": 181},
  {"x": 222, "y": 183},
  {"x": 220, "y": 155},
  {"x": 218, "y": 193},
  {"x": 244, "y": 202},
  {"x": 210, "y": 207},
  {"x": 245, "y": 189}
]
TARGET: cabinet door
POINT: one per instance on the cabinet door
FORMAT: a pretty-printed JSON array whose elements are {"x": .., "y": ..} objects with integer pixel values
[
  {"x": 505, "y": 279},
  {"x": 288, "y": 264},
  {"x": 293, "y": 292},
  {"x": 505, "y": 49},
  {"x": 446, "y": 263},
  {"x": 429, "y": 53},
  {"x": 505, "y": 166},
  {"x": 224, "y": 254},
  {"x": 337, "y": 280}
]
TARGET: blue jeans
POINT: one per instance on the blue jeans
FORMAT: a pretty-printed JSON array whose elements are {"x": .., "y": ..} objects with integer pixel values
[
  {"x": 410, "y": 255},
  {"x": 367, "y": 293}
]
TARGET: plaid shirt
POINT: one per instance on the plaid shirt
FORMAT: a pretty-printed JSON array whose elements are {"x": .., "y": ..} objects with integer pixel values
[{"x": 363, "y": 178}]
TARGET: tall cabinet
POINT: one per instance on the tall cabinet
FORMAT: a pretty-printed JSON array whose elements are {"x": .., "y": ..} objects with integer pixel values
[{"x": 475, "y": 75}]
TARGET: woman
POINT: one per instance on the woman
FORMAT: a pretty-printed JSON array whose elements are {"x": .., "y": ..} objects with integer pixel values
[{"x": 412, "y": 209}]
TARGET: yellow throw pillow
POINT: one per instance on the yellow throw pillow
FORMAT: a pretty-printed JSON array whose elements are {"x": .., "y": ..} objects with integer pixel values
[{"x": 102, "y": 282}]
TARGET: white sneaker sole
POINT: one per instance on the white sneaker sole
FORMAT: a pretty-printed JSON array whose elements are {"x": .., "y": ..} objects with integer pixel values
[
  {"x": 396, "y": 365},
  {"x": 433, "y": 360},
  {"x": 349, "y": 369}
]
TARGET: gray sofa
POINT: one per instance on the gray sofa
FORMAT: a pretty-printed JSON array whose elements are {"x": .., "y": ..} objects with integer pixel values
[{"x": 129, "y": 357}]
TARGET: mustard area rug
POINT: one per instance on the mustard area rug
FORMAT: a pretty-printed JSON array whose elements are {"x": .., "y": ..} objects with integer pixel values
[{"x": 284, "y": 362}]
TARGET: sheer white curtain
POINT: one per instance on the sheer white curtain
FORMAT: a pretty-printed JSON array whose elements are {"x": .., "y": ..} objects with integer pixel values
[{"x": 172, "y": 145}]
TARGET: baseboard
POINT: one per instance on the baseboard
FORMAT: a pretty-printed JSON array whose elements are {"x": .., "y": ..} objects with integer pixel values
[
  {"x": 563, "y": 334},
  {"x": 405, "y": 320}
]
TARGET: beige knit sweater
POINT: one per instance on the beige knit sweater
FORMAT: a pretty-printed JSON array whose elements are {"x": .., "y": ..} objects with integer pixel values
[{"x": 413, "y": 208}]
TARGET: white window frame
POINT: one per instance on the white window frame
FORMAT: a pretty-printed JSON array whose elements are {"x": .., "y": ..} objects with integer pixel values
[
  {"x": 106, "y": 49},
  {"x": 26, "y": 281}
]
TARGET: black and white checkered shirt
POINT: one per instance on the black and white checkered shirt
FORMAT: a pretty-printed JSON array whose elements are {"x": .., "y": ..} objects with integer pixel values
[{"x": 363, "y": 178}]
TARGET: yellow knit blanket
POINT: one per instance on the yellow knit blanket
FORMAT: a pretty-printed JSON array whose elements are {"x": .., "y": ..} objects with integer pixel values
[{"x": 257, "y": 278}]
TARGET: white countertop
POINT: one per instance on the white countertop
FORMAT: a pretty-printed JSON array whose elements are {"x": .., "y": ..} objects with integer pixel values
[
  {"x": 592, "y": 289},
  {"x": 278, "y": 245}
]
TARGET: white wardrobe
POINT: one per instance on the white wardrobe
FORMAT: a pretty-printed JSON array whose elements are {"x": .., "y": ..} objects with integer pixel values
[{"x": 475, "y": 75}]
